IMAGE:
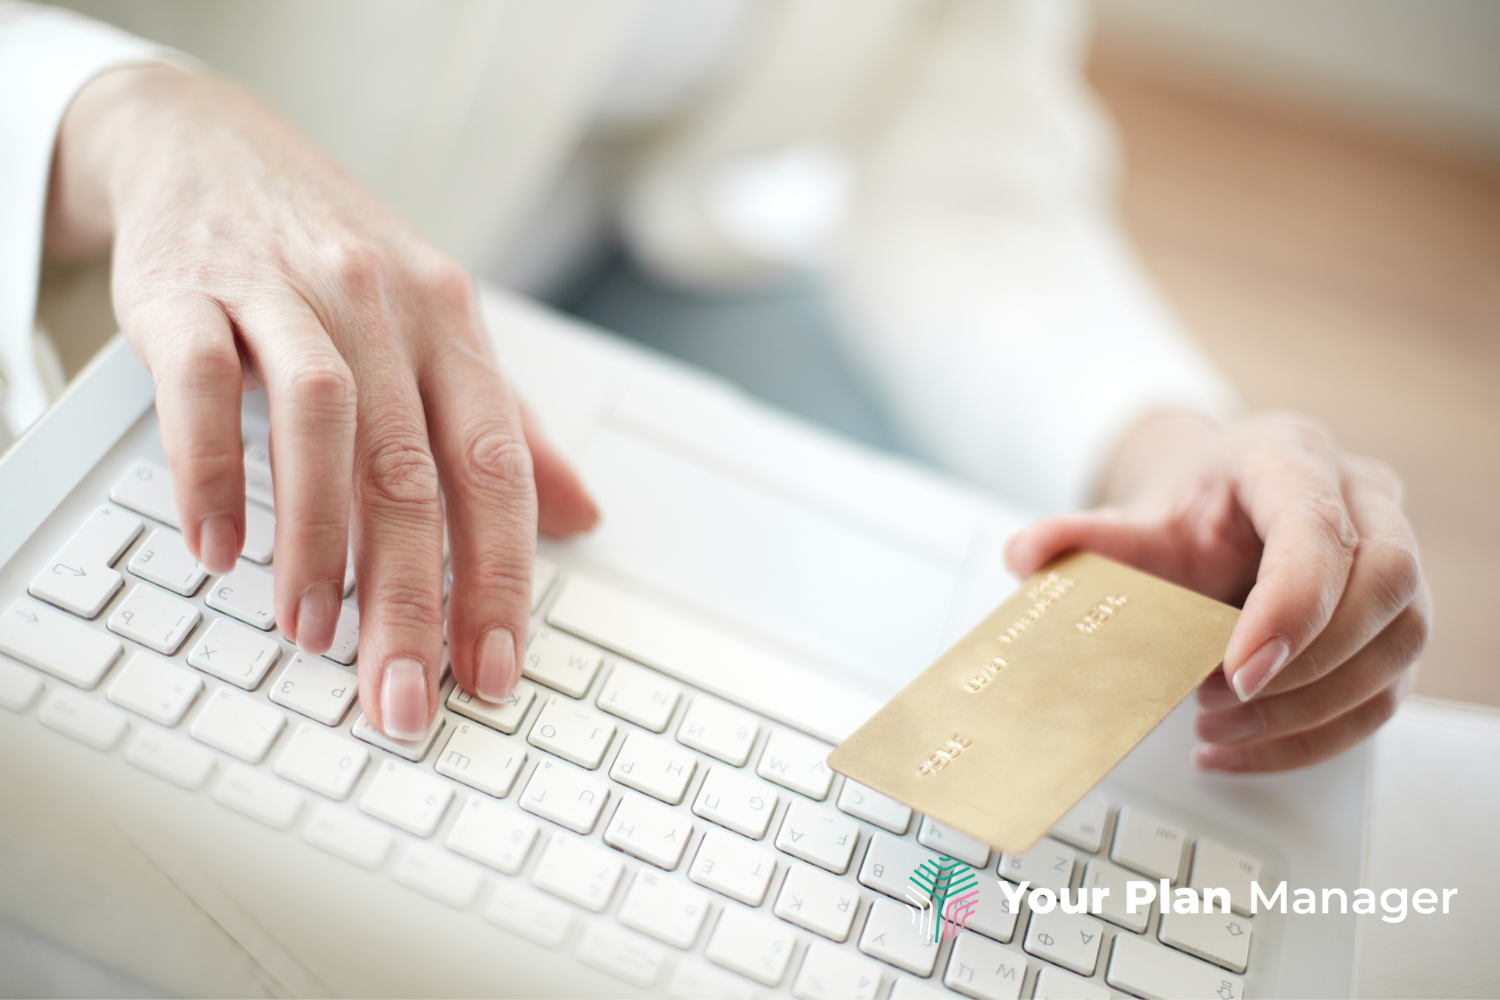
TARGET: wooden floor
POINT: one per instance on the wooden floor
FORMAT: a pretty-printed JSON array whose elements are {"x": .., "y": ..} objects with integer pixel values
[{"x": 1346, "y": 273}]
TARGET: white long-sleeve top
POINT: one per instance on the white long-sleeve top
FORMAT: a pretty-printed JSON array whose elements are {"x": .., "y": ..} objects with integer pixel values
[{"x": 985, "y": 288}]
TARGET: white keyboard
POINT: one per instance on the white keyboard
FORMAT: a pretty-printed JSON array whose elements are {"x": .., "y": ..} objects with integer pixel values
[{"x": 630, "y": 805}]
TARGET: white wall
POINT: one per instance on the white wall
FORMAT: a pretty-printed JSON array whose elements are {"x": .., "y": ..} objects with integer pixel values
[{"x": 1433, "y": 65}]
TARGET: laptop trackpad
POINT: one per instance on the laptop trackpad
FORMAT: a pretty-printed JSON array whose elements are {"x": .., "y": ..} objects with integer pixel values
[{"x": 762, "y": 556}]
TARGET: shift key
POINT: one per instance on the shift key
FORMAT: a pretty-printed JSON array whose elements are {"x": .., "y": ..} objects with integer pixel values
[{"x": 56, "y": 642}]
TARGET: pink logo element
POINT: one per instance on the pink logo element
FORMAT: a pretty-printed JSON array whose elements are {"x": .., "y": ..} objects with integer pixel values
[{"x": 956, "y": 912}]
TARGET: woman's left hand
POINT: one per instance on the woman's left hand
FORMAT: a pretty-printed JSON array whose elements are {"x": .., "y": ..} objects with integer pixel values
[{"x": 1268, "y": 515}]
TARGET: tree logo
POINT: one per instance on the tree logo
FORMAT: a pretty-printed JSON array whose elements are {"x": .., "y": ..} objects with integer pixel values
[{"x": 943, "y": 896}]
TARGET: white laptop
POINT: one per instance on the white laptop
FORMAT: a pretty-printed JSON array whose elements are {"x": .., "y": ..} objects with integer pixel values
[{"x": 651, "y": 814}]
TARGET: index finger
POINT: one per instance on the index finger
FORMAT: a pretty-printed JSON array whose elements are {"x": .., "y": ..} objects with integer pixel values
[{"x": 1289, "y": 486}]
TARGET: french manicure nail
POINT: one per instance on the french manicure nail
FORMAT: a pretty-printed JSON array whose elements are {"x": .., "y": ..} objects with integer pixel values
[
  {"x": 318, "y": 617},
  {"x": 1230, "y": 724},
  {"x": 403, "y": 699},
  {"x": 1256, "y": 672},
  {"x": 218, "y": 543},
  {"x": 1221, "y": 756},
  {"x": 497, "y": 664}
]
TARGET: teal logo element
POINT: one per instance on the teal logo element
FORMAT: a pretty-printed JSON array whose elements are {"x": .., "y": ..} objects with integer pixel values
[{"x": 944, "y": 893}]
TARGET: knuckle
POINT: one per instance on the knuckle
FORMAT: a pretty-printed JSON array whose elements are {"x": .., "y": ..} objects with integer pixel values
[
  {"x": 1332, "y": 516},
  {"x": 358, "y": 269},
  {"x": 498, "y": 456},
  {"x": 1383, "y": 475},
  {"x": 399, "y": 474},
  {"x": 447, "y": 286},
  {"x": 1413, "y": 629},
  {"x": 406, "y": 607},
  {"x": 1398, "y": 570},
  {"x": 324, "y": 385}
]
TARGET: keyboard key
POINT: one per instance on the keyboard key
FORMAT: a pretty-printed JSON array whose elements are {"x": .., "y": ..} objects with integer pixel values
[
  {"x": 493, "y": 834},
  {"x": 733, "y": 866},
  {"x": 1068, "y": 939},
  {"x": 323, "y": 762},
  {"x": 818, "y": 902},
  {"x": 1101, "y": 874},
  {"x": 171, "y": 757},
  {"x": 981, "y": 968},
  {"x": 651, "y": 832},
  {"x": 751, "y": 945},
  {"x": 948, "y": 841},
  {"x": 740, "y": 803},
  {"x": 891, "y": 936},
  {"x": 565, "y": 795},
  {"x": 147, "y": 489},
  {"x": 818, "y": 835},
  {"x": 575, "y": 870},
  {"x": 154, "y": 618},
  {"x": 907, "y": 988},
  {"x": 620, "y": 953},
  {"x": 156, "y": 688},
  {"x": 57, "y": 643},
  {"x": 562, "y": 662},
  {"x": 1055, "y": 984},
  {"x": 696, "y": 981},
  {"x": 993, "y": 915},
  {"x": 504, "y": 715},
  {"x": 316, "y": 688},
  {"x": 345, "y": 634},
  {"x": 889, "y": 864},
  {"x": 79, "y": 579},
  {"x": 82, "y": 718},
  {"x": 664, "y": 908},
  {"x": 412, "y": 750},
  {"x": 655, "y": 767},
  {"x": 543, "y": 574},
  {"x": 1149, "y": 970},
  {"x": 1148, "y": 844},
  {"x": 719, "y": 729},
  {"x": 574, "y": 733},
  {"x": 164, "y": 560},
  {"x": 1221, "y": 938},
  {"x": 872, "y": 807},
  {"x": 238, "y": 725},
  {"x": 1083, "y": 826},
  {"x": 438, "y": 874},
  {"x": 1048, "y": 864},
  {"x": 262, "y": 798},
  {"x": 829, "y": 973},
  {"x": 537, "y": 918},
  {"x": 345, "y": 835},
  {"x": 482, "y": 759},
  {"x": 1217, "y": 866},
  {"x": 18, "y": 686},
  {"x": 407, "y": 798},
  {"x": 260, "y": 534},
  {"x": 260, "y": 484},
  {"x": 639, "y": 695},
  {"x": 247, "y": 593},
  {"x": 234, "y": 653},
  {"x": 797, "y": 762}
]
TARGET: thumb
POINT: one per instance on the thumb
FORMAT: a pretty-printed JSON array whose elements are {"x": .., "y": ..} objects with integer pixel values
[
  {"x": 564, "y": 507},
  {"x": 1107, "y": 531}
]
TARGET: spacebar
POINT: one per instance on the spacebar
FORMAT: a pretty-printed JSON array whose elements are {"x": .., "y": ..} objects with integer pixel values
[{"x": 709, "y": 659}]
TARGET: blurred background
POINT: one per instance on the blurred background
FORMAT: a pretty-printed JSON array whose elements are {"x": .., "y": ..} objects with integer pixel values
[{"x": 1315, "y": 185}]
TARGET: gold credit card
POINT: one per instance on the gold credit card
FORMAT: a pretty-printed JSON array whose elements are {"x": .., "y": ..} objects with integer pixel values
[{"x": 1013, "y": 725}]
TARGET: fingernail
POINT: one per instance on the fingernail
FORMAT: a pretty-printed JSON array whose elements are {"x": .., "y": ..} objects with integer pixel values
[
  {"x": 497, "y": 664},
  {"x": 1256, "y": 672},
  {"x": 1230, "y": 725},
  {"x": 318, "y": 617},
  {"x": 1221, "y": 756},
  {"x": 219, "y": 543},
  {"x": 403, "y": 700}
]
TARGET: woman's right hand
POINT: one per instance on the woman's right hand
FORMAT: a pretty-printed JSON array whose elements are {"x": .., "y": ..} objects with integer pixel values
[{"x": 243, "y": 257}]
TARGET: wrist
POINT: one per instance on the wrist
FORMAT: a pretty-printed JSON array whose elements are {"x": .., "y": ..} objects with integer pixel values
[
  {"x": 98, "y": 162},
  {"x": 1160, "y": 448}
]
